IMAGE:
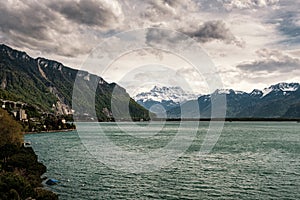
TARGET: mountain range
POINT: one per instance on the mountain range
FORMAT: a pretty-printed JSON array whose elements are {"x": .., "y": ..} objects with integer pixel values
[
  {"x": 167, "y": 97},
  {"x": 281, "y": 100},
  {"x": 47, "y": 86}
]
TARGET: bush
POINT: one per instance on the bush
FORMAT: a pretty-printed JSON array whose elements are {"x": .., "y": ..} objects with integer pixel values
[
  {"x": 7, "y": 150},
  {"x": 10, "y": 130},
  {"x": 42, "y": 194},
  {"x": 20, "y": 171},
  {"x": 25, "y": 161},
  {"x": 13, "y": 186},
  {"x": 20, "y": 175}
]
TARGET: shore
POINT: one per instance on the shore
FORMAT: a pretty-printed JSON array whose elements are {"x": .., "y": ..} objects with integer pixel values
[
  {"x": 20, "y": 174},
  {"x": 50, "y": 131},
  {"x": 232, "y": 119},
  {"x": 203, "y": 119}
]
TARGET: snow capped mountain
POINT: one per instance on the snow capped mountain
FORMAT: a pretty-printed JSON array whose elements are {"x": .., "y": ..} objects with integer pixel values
[
  {"x": 160, "y": 94},
  {"x": 163, "y": 97},
  {"x": 285, "y": 87},
  {"x": 223, "y": 91},
  {"x": 280, "y": 89},
  {"x": 256, "y": 93},
  {"x": 228, "y": 91},
  {"x": 178, "y": 95},
  {"x": 266, "y": 91},
  {"x": 280, "y": 100}
]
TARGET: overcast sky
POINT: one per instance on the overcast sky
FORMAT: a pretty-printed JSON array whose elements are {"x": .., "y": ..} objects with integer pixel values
[{"x": 253, "y": 43}]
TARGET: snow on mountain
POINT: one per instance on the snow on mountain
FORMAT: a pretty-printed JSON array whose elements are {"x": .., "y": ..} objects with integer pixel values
[
  {"x": 223, "y": 91},
  {"x": 257, "y": 93},
  {"x": 239, "y": 92},
  {"x": 228, "y": 91},
  {"x": 266, "y": 91},
  {"x": 178, "y": 95},
  {"x": 276, "y": 101},
  {"x": 159, "y": 94},
  {"x": 284, "y": 88},
  {"x": 280, "y": 88},
  {"x": 288, "y": 87}
]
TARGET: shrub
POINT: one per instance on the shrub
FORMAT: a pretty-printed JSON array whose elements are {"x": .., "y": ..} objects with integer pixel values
[
  {"x": 10, "y": 130},
  {"x": 13, "y": 186},
  {"x": 42, "y": 194}
]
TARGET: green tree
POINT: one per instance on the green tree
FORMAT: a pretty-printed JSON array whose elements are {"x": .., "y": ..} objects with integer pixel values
[{"x": 10, "y": 130}]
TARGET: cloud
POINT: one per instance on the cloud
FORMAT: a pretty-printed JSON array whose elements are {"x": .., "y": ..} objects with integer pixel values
[
  {"x": 165, "y": 5},
  {"x": 27, "y": 19},
  {"x": 63, "y": 28},
  {"x": 197, "y": 81},
  {"x": 271, "y": 61},
  {"x": 167, "y": 39},
  {"x": 72, "y": 28},
  {"x": 271, "y": 67},
  {"x": 287, "y": 20},
  {"x": 226, "y": 6},
  {"x": 248, "y": 4},
  {"x": 88, "y": 12},
  {"x": 159, "y": 10},
  {"x": 214, "y": 30},
  {"x": 207, "y": 32},
  {"x": 66, "y": 30}
]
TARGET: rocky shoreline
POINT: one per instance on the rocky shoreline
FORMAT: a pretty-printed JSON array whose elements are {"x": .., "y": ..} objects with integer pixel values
[{"x": 20, "y": 174}]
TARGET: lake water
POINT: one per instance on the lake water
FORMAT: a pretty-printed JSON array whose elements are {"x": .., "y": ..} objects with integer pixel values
[{"x": 251, "y": 160}]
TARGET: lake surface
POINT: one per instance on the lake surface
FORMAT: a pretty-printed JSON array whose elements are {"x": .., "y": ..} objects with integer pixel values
[{"x": 251, "y": 160}]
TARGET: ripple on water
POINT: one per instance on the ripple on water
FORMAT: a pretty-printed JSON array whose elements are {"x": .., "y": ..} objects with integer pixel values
[{"x": 250, "y": 161}]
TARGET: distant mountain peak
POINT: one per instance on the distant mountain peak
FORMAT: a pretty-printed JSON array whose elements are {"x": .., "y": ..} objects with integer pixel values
[
  {"x": 286, "y": 87},
  {"x": 276, "y": 101},
  {"x": 228, "y": 91},
  {"x": 281, "y": 88},
  {"x": 159, "y": 94},
  {"x": 167, "y": 97},
  {"x": 256, "y": 93}
]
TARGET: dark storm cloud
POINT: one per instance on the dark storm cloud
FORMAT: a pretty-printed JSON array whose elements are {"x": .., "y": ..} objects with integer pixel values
[
  {"x": 214, "y": 30},
  {"x": 272, "y": 61},
  {"x": 207, "y": 32},
  {"x": 89, "y": 12},
  {"x": 34, "y": 26},
  {"x": 53, "y": 27}
]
